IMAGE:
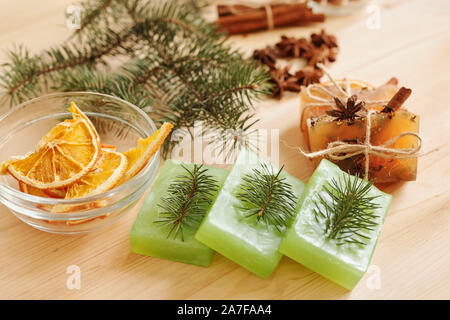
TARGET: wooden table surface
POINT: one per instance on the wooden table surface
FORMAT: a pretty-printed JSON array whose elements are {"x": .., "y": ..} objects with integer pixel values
[{"x": 413, "y": 252}]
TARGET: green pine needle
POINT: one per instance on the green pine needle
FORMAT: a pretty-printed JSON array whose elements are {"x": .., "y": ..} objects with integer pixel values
[
  {"x": 189, "y": 197},
  {"x": 348, "y": 210},
  {"x": 176, "y": 67},
  {"x": 267, "y": 196}
]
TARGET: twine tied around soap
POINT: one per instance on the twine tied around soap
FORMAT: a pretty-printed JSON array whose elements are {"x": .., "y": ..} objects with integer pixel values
[{"x": 340, "y": 150}]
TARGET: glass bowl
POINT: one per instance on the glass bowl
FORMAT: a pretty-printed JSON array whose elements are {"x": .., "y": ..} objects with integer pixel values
[{"x": 117, "y": 121}]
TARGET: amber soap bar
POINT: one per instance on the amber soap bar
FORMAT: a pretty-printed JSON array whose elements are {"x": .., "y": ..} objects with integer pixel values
[
  {"x": 321, "y": 129},
  {"x": 384, "y": 127}
]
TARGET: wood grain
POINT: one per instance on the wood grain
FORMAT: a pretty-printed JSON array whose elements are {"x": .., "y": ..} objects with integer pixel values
[{"x": 412, "y": 255}]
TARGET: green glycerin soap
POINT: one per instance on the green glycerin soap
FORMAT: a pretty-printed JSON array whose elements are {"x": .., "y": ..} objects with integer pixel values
[
  {"x": 167, "y": 222},
  {"x": 337, "y": 227},
  {"x": 247, "y": 221}
]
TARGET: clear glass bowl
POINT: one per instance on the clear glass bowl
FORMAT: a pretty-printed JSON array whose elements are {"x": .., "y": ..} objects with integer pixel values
[{"x": 117, "y": 121}]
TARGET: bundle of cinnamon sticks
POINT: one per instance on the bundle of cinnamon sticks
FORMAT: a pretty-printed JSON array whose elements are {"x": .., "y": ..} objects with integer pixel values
[{"x": 237, "y": 19}]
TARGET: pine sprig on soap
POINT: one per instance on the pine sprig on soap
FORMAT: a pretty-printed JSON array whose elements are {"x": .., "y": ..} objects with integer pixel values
[
  {"x": 264, "y": 194},
  {"x": 348, "y": 209},
  {"x": 189, "y": 196},
  {"x": 175, "y": 66}
]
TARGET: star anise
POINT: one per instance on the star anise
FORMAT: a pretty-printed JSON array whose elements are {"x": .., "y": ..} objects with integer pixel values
[
  {"x": 346, "y": 112},
  {"x": 266, "y": 56},
  {"x": 283, "y": 80},
  {"x": 321, "y": 48},
  {"x": 322, "y": 54},
  {"x": 290, "y": 47},
  {"x": 308, "y": 75},
  {"x": 323, "y": 38}
]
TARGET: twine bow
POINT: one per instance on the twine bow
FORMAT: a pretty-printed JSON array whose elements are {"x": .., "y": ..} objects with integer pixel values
[
  {"x": 339, "y": 150},
  {"x": 257, "y": 4}
]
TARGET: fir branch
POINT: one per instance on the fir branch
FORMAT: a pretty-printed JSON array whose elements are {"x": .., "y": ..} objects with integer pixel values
[
  {"x": 348, "y": 210},
  {"x": 189, "y": 197},
  {"x": 26, "y": 75},
  {"x": 179, "y": 68},
  {"x": 267, "y": 196}
]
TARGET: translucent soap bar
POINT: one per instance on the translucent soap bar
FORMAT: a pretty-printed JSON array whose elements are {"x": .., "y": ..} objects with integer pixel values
[
  {"x": 242, "y": 239},
  {"x": 151, "y": 239},
  {"x": 384, "y": 127},
  {"x": 319, "y": 129},
  {"x": 307, "y": 242}
]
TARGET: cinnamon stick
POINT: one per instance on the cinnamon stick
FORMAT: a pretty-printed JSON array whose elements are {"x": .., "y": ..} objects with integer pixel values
[
  {"x": 393, "y": 81},
  {"x": 243, "y": 19},
  {"x": 227, "y": 10},
  {"x": 397, "y": 100}
]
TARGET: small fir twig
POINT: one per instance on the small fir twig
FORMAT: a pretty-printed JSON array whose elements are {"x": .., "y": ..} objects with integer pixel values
[
  {"x": 189, "y": 197},
  {"x": 264, "y": 194},
  {"x": 347, "y": 209}
]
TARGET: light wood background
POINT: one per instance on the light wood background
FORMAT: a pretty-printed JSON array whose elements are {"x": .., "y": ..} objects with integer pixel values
[{"x": 412, "y": 255}]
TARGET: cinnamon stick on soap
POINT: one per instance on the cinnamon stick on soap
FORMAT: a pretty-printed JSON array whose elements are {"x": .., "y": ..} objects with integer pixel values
[
  {"x": 397, "y": 100},
  {"x": 237, "y": 19}
]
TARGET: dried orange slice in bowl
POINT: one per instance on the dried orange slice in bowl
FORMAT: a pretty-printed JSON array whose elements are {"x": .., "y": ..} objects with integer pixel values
[
  {"x": 85, "y": 186},
  {"x": 110, "y": 169},
  {"x": 108, "y": 146},
  {"x": 138, "y": 157},
  {"x": 105, "y": 176},
  {"x": 59, "y": 193},
  {"x": 64, "y": 155},
  {"x": 31, "y": 190}
]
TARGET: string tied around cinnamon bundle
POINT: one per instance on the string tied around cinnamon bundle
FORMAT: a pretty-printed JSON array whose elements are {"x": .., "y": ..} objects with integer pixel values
[
  {"x": 235, "y": 17},
  {"x": 340, "y": 150},
  {"x": 236, "y": 10}
]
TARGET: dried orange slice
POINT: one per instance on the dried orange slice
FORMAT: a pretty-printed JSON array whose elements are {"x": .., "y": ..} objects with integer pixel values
[
  {"x": 59, "y": 193},
  {"x": 67, "y": 153},
  {"x": 31, "y": 190},
  {"x": 80, "y": 221},
  {"x": 146, "y": 148},
  {"x": 110, "y": 147},
  {"x": 45, "y": 193},
  {"x": 39, "y": 193},
  {"x": 104, "y": 176}
]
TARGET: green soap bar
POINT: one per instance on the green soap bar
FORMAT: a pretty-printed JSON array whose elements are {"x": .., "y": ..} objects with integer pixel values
[
  {"x": 306, "y": 242},
  {"x": 149, "y": 238},
  {"x": 243, "y": 239}
]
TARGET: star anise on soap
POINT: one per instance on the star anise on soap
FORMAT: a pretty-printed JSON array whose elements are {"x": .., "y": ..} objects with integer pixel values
[
  {"x": 266, "y": 56},
  {"x": 290, "y": 47},
  {"x": 346, "y": 112}
]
